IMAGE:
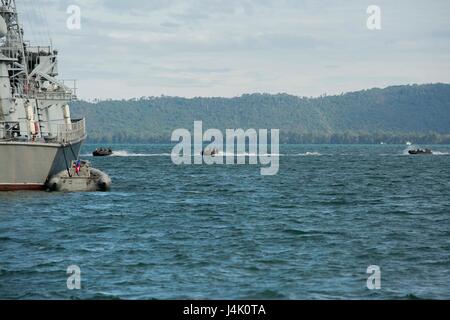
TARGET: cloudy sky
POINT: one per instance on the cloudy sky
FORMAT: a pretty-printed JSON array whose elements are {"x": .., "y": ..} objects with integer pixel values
[{"x": 134, "y": 48}]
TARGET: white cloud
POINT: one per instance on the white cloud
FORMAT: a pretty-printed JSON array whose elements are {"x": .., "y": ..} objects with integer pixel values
[{"x": 217, "y": 47}]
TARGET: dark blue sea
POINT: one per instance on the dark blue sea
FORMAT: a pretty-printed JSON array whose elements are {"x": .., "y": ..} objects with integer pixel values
[{"x": 226, "y": 232}]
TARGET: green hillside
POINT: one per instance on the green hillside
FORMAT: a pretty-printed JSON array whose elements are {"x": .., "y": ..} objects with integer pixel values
[{"x": 394, "y": 114}]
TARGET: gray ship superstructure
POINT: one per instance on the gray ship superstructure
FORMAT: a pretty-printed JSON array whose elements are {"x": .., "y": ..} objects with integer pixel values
[{"x": 38, "y": 137}]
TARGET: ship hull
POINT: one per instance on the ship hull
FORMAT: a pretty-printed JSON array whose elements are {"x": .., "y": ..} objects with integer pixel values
[{"x": 27, "y": 166}]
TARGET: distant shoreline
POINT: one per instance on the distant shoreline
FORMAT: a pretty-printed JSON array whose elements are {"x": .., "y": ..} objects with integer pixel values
[
  {"x": 393, "y": 115},
  {"x": 294, "y": 138}
]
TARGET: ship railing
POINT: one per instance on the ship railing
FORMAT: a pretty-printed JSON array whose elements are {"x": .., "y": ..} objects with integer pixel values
[
  {"x": 9, "y": 129},
  {"x": 46, "y": 50},
  {"x": 68, "y": 133},
  {"x": 71, "y": 84},
  {"x": 53, "y": 95}
]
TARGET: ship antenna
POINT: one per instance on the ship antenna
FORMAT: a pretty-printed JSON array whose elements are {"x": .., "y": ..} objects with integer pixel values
[
  {"x": 22, "y": 44},
  {"x": 18, "y": 46}
]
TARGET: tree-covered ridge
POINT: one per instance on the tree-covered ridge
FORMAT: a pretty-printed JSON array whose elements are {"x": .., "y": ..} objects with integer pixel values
[{"x": 394, "y": 114}]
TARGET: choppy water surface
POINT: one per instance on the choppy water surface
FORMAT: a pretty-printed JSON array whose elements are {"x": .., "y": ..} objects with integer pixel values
[{"x": 171, "y": 232}]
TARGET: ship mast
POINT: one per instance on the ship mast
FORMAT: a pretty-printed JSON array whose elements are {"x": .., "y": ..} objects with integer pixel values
[
  {"x": 13, "y": 47},
  {"x": 31, "y": 96}
]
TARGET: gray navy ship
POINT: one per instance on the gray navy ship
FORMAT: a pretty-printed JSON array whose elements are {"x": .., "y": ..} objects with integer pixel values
[{"x": 38, "y": 136}]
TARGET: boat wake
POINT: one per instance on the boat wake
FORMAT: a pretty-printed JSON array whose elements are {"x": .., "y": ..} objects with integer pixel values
[
  {"x": 310, "y": 154},
  {"x": 437, "y": 153},
  {"x": 227, "y": 154},
  {"x": 124, "y": 153}
]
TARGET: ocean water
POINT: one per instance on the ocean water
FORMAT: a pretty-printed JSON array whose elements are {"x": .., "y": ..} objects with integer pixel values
[{"x": 226, "y": 232}]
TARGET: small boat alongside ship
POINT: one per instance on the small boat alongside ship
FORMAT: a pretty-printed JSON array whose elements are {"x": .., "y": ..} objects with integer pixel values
[{"x": 81, "y": 177}]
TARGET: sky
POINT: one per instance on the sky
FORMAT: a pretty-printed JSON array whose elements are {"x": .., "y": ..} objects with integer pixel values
[{"x": 189, "y": 48}]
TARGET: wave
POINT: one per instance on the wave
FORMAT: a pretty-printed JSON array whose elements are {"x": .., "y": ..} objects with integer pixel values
[
  {"x": 226, "y": 154},
  {"x": 438, "y": 153},
  {"x": 310, "y": 154},
  {"x": 124, "y": 153}
]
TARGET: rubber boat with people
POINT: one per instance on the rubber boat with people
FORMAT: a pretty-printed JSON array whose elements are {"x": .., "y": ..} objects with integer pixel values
[
  {"x": 420, "y": 151},
  {"x": 102, "y": 152}
]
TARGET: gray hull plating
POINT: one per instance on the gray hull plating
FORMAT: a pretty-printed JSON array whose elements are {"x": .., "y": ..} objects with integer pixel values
[{"x": 27, "y": 166}]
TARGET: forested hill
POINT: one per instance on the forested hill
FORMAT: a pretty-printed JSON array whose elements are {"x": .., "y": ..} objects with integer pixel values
[{"x": 394, "y": 114}]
